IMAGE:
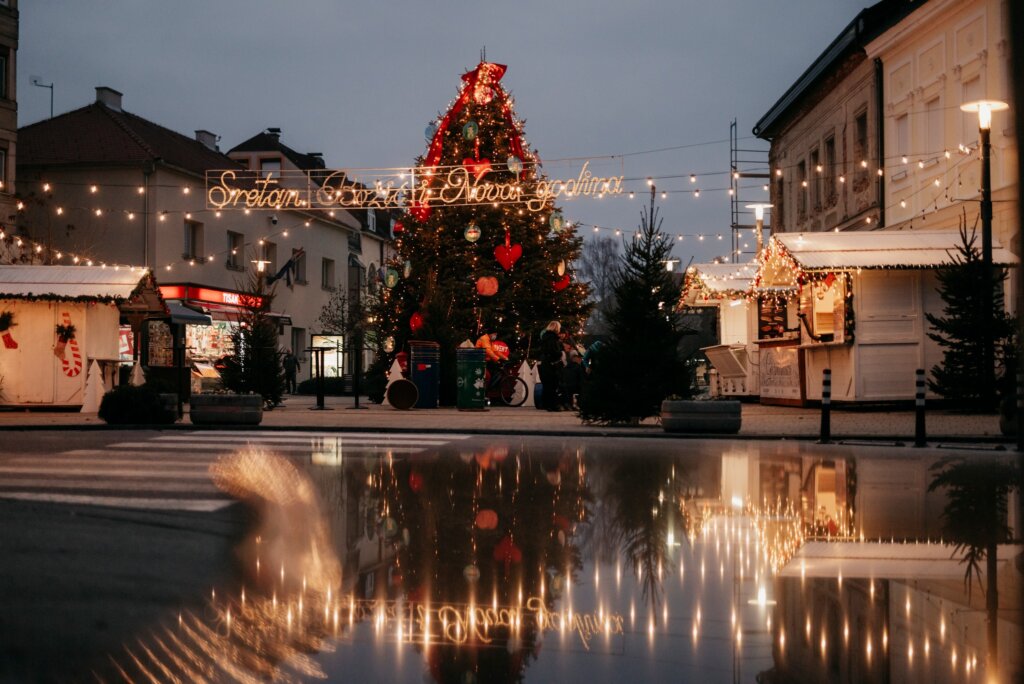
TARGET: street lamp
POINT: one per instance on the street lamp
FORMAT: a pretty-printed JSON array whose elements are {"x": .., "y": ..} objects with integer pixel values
[
  {"x": 759, "y": 222},
  {"x": 984, "y": 108}
]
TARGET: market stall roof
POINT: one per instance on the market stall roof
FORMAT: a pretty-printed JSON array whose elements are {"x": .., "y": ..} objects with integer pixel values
[
  {"x": 707, "y": 282},
  {"x": 72, "y": 283},
  {"x": 879, "y": 249}
]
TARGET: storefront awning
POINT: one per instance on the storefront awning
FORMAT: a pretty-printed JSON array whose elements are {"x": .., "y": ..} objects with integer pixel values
[{"x": 183, "y": 314}]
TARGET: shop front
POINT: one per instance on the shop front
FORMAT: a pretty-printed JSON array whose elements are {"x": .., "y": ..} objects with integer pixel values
[
  {"x": 860, "y": 301},
  {"x": 202, "y": 324}
]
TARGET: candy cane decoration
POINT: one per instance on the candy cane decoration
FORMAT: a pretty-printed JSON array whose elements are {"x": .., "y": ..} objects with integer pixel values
[{"x": 73, "y": 366}]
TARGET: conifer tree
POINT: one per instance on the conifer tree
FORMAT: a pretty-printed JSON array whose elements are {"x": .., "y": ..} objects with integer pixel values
[
  {"x": 255, "y": 366},
  {"x": 640, "y": 364},
  {"x": 465, "y": 266},
  {"x": 957, "y": 331}
]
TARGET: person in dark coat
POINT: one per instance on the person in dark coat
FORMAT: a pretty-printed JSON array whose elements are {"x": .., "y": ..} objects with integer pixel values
[
  {"x": 291, "y": 369},
  {"x": 551, "y": 365},
  {"x": 572, "y": 380}
]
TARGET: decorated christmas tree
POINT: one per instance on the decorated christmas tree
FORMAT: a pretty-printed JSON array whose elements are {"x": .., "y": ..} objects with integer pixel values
[{"x": 482, "y": 247}]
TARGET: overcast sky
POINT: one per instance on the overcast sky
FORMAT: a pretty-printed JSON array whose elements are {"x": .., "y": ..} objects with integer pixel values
[{"x": 359, "y": 81}]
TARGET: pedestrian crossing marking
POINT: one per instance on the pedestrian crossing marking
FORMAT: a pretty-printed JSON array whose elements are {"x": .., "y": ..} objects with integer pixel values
[{"x": 196, "y": 505}]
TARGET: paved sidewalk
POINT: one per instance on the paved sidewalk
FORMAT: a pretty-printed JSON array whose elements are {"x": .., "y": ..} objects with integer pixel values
[{"x": 758, "y": 421}]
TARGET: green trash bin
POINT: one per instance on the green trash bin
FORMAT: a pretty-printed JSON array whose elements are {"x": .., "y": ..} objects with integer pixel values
[{"x": 471, "y": 387}]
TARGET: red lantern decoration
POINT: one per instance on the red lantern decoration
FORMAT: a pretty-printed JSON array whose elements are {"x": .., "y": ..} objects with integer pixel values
[{"x": 399, "y": 227}]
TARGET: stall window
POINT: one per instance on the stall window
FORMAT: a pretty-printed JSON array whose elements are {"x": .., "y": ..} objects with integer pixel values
[
  {"x": 771, "y": 318},
  {"x": 823, "y": 308},
  {"x": 236, "y": 250},
  {"x": 193, "y": 240},
  {"x": 299, "y": 259}
]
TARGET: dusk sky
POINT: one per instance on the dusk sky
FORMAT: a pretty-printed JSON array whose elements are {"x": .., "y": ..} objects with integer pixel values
[{"x": 360, "y": 81}]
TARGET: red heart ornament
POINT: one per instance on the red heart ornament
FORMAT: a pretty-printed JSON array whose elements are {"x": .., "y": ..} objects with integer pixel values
[
  {"x": 561, "y": 283},
  {"x": 477, "y": 167},
  {"x": 508, "y": 255}
]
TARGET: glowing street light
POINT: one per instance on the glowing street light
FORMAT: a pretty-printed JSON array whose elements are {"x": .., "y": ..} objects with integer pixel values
[{"x": 759, "y": 221}]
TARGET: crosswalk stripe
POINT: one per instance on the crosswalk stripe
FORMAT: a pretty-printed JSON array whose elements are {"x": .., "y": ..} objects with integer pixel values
[
  {"x": 83, "y": 481},
  {"x": 192, "y": 474},
  {"x": 90, "y": 457},
  {"x": 197, "y": 505},
  {"x": 342, "y": 439}
]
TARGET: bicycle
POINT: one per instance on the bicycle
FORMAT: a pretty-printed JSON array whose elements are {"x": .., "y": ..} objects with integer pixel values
[{"x": 508, "y": 387}]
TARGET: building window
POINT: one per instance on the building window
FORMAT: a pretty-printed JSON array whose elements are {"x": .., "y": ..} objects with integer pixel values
[
  {"x": 972, "y": 92},
  {"x": 860, "y": 140},
  {"x": 193, "y": 240},
  {"x": 371, "y": 220},
  {"x": 355, "y": 242},
  {"x": 830, "y": 172},
  {"x": 801, "y": 189},
  {"x": 5, "y": 58},
  {"x": 903, "y": 135},
  {"x": 269, "y": 255},
  {"x": 778, "y": 212},
  {"x": 299, "y": 259},
  {"x": 270, "y": 168},
  {"x": 933, "y": 126},
  {"x": 3, "y": 169},
  {"x": 327, "y": 273},
  {"x": 236, "y": 250},
  {"x": 815, "y": 189},
  {"x": 298, "y": 342}
]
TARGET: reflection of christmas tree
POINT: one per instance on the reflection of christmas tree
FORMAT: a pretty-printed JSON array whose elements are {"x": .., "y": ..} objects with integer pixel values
[
  {"x": 468, "y": 265},
  {"x": 493, "y": 531}
]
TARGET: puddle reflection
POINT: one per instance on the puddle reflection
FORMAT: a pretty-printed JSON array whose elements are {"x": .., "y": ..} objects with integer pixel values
[{"x": 511, "y": 561}]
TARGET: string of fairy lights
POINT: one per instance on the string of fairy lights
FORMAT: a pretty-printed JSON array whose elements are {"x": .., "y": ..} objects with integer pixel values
[{"x": 922, "y": 161}]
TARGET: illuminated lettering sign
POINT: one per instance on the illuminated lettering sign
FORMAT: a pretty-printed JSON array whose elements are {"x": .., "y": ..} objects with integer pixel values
[
  {"x": 208, "y": 294},
  {"x": 475, "y": 624},
  {"x": 333, "y": 189}
]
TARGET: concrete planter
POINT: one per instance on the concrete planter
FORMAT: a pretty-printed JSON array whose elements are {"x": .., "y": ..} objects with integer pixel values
[
  {"x": 226, "y": 409},
  {"x": 721, "y": 417}
]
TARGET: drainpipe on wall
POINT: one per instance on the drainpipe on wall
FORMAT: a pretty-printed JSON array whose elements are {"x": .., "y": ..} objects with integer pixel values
[{"x": 880, "y": 128}]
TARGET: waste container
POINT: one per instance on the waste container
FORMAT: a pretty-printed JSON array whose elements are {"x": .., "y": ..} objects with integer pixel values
[
  {"x": 471, "y": 388},
  {"x": 425, "y": 371}
]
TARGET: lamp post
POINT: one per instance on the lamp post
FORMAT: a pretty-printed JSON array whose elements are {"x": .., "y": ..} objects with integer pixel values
[
  {"x": 984, "y": 108},
  {"x": 759, "y": 223}
]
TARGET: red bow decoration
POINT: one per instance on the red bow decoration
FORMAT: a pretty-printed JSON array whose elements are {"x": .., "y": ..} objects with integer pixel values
[
  {"x": 486, "y": 75},
  {"x": 477, "y": 167},
  {"x": 561, "y": 283}
]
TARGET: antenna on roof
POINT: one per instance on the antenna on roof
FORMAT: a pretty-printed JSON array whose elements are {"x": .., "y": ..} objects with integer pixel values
[{"x": 483, "y": 54}]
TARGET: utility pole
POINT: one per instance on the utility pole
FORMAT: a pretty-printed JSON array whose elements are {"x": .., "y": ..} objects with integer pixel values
[{"x": 36, "y": 81}]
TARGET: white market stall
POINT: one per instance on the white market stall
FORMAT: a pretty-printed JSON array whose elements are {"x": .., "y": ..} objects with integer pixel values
[
  {"x": 727, "y": 288},
  {"x": 56, "y": 320},
  {"x": 860, "y": 299}
]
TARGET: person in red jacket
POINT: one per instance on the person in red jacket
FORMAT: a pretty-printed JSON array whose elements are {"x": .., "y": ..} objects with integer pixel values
[{"x": 492, "y": 356}]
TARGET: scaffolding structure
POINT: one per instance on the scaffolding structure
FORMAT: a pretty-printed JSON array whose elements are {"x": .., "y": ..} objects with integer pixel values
[{"x": 744, "y": 165}]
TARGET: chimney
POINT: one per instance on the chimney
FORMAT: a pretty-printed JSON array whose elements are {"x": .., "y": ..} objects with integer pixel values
[
  {"x": 318, "y": 157},
  {"x": 274, "y": 133},
  {"x": 208, "y": 139},
  {"x": 108, "y": 97}
]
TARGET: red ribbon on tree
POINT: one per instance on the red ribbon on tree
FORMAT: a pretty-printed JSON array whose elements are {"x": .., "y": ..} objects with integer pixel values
[{"x": 486, "y": 75}]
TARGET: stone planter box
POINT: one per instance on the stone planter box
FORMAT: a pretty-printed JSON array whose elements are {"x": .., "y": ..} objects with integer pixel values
[
  {"x": 720, "y": 417},
  {"x": 226, "y": 409}
]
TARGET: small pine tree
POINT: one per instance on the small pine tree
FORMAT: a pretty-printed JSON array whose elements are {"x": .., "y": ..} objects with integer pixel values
[
  {"x": 640, "y": 364},
  {"x": 255, "y": 367},
  {"x": 957, "y": 331}
]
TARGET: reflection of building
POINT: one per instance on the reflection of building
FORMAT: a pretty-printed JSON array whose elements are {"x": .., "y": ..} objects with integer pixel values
[
  {"x": 859, "y": 612},
  {"x": 8, "y": 108},
  {"x": 106, "y": 185}
]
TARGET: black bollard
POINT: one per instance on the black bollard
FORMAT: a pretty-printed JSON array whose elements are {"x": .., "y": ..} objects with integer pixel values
[
  {"x": 920, "y": 439},
  {"x": 826, "y": 407}
]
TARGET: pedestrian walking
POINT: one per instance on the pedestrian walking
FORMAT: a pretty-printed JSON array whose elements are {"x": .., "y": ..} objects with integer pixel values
[
  {"x": 551, "y": 365},
  {"x": 572, "y": 380},
  {"x": 291, "y": 370}
]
